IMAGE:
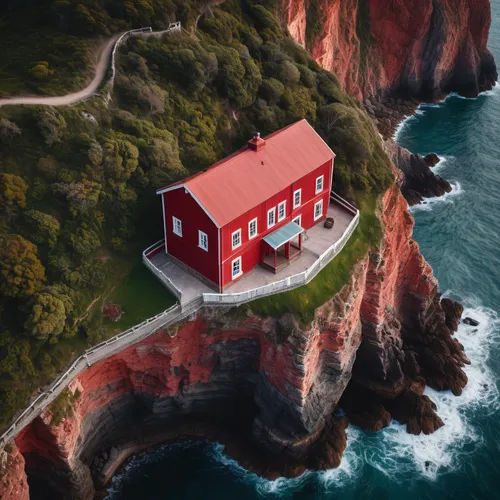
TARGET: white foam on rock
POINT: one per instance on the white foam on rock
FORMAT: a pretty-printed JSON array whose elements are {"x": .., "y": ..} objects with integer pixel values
[{"x": 429, "y": 203}]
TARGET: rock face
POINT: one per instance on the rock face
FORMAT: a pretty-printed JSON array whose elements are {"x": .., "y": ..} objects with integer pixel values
[
  {"x": 13, "y": 481},
  {"x": 420, "y": 48},
  {"x": 266, "y": 387},
  {"x": 418, "y": 181}
]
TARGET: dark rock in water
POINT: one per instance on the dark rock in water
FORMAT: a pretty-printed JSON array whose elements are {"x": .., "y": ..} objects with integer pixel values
[
  {"x": 432, "y": 159},
  {"x": 471, "y": 322},
  {"x": 418, "y": 181},
  {"x": 453, "y": 311}
]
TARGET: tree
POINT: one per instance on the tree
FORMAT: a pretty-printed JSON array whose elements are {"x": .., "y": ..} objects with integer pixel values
[
  {"x": 148, "y": 96},
  {"x": 121, "y": 158},
  {"x": 49, "y": 166},
  {"x": 12, "y": 192},
  {"x": 81, "y": 195},
  {"x": 164, "y": 161},
  {"x": 41, "y": 71},
  {"x": 49, "y": 311},
  {"x": 44, "y": 229},
  {"x": 271, "y": 90},
  {"x": 84, "y": 240},
  {"x": 51, "y": 125},
  {"x": 21, "y": 272},
  {"x": 289, "y": 74},
  {"x": 8, "y": 131}
]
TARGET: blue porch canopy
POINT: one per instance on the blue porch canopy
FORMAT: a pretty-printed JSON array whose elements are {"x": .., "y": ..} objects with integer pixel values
[{"x": 283, "y": 235}]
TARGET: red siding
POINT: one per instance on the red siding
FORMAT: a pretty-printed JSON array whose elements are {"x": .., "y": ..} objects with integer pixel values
[
  {"x": 180, "y": 204},
  {"x": 250, "y": 250}
]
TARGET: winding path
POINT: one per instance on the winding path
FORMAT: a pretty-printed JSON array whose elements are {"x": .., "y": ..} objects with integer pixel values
[{"x": 107, "y": 55}]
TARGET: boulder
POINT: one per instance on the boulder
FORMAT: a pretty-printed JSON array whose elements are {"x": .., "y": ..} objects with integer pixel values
[{"x": 471, "y": 322}]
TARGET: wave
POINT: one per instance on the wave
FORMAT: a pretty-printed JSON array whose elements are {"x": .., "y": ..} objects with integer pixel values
[
  {"x": 398, "y": 453},
  {"x": 444, "y": 161},
  {"x": 494, "y": 91},
  {"x": 402, "y": 125},
  {"x": 428, "y": 204}
]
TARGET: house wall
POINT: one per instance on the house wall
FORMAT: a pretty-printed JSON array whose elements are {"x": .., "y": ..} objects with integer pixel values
[
  {"x": 250, "y": 250},
  {"x": 181, "y": 204}
]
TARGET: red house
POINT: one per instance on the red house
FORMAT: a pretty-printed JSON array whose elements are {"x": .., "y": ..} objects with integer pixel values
[{"x": 250, "y": 208}]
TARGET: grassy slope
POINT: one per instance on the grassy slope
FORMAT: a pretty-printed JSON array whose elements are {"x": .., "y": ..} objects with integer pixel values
[
  {"x": 304, "y": 301},
  {"x": 238, "y": 61}
]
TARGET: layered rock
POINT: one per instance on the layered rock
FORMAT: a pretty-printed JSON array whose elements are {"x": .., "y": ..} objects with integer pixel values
[
  {"x": 421, "y": 48},
  {"x": 408, "y": 338},
  {"x": 266, "y": 387}
]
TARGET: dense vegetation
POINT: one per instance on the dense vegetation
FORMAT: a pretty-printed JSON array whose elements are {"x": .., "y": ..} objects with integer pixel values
[{"x": 77, "y": 185}]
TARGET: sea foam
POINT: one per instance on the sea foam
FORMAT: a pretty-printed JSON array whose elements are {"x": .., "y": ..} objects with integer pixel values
[
  {"x": 429, "y": 203},
  {"x": 397, "y": 453}
]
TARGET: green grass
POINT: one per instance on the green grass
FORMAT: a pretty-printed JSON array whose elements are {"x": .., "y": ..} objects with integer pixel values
[
  {"x": 141, "y": 296},
  {"x": 304, "y": 301},
  {"x": 136, "y": 290}
]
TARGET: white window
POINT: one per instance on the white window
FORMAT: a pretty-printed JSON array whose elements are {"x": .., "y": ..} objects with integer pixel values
[
  {"x": 319, "y": 184},
  {"x": 177, "y": 223},
  {"x": 318, "y": 209},
  {"x": 236, "y": 269},
  {"x": 281, "y": 211},
  {"x": 298, "y": 220},
  {"x": 203, "y": 240},
  {"x": 297, "y": 198},
  {"x": 236, "y": 239},
  {"x": 271, "y": 217},
  {"x": 252, "y": 228}
]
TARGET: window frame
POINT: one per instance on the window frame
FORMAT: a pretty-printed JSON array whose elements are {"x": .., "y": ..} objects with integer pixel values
[
  {"x": 318, "y": 203},
  {"x": 202, "y": 234},
  {"x": 273, "y": 211},
  {"x": 299, "y": 217},
  {"x": 235, "y": 276},
  {"x": 297, "y": 205},
  {"x": 176, "y": 220},
  {"x": 322, "y": 179},
  {"x": 282, "y": 204},
  {"x": 250, "y": 236},
  {"x": 233, "y": 246}
]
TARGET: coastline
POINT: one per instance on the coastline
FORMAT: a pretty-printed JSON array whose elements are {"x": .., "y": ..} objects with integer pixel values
[{"x": 243, "y": 451}]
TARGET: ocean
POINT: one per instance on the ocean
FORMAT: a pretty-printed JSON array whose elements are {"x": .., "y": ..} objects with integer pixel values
[{"x": 459, "y": 235}]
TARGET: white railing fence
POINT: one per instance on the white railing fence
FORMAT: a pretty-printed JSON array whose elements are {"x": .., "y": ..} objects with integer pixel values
[
  {"x": 166, "y": 318},
  {"x": 289, "y": 283},
  {"x": 92, "y": 356},
  {"x": 158, "y": 272}
]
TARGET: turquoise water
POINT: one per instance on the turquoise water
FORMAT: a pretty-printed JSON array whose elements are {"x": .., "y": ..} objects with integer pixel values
[{"x": 459, "y": 235}]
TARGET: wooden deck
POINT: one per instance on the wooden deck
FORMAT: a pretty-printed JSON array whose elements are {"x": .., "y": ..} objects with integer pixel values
[{"x": 317, "y": 240}]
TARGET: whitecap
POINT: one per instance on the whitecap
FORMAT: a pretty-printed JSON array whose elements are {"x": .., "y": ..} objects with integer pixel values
[
  {"x": 397, "y": 453},
  {"x": 428, "y": 204},
  {"x": 444, "y": 161},
  {"x": 352, "y": 462},
  {"x": 402, "y": 124}
]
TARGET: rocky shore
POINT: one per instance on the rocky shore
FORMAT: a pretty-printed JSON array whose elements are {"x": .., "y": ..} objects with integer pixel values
[{"x": 268, "y": 388}]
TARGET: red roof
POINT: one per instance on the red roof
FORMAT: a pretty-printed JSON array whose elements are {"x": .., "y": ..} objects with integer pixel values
[{"x": 247, "y": 178}]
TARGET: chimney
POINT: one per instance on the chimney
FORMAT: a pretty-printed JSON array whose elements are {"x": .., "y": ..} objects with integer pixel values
[{"x": 257, "y": 143}]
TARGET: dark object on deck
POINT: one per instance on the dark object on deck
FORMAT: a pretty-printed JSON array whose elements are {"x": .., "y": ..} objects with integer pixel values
[
  {"x": 329, "y": 222},
  {"x": 471, "y": 322}
]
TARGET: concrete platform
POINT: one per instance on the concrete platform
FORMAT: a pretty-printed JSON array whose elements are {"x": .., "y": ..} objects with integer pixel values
[{"x": 317, "y": 240}]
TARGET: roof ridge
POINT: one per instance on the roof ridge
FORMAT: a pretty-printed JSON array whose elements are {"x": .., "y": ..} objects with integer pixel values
[{"x": 220, "y": 162}]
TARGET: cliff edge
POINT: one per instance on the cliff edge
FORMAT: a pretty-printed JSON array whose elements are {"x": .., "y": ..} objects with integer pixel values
[
  {"x": 267, "y": 387},
  {"x": 419, "y": 48}
]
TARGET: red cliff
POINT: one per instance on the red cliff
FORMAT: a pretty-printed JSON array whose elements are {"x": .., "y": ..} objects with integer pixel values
[
  {"x": 267, "y": 387},
  {"x": 421, "y": 48}
]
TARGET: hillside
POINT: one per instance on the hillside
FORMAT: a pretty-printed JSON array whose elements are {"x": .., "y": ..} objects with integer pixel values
[{"x": 77, "y": 188}]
